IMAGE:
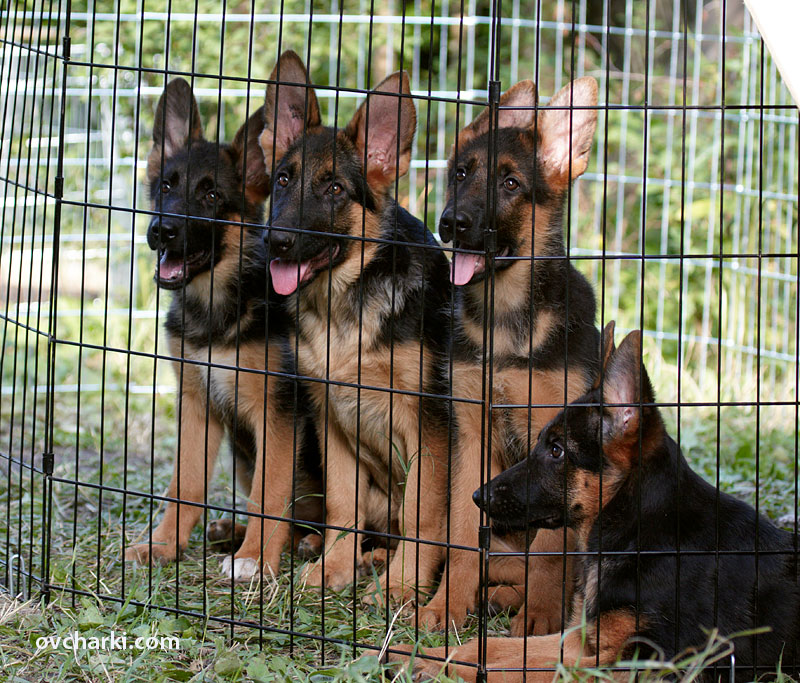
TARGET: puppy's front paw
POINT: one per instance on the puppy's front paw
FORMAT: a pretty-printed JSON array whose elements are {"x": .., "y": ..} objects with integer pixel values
[
  {"x": 396, "y": 591},
  {"x": 423, "y": 669},
  {"x": 335, "y": 578},
  {"x": 309, "y": 547},
  {"x": 157, "y": 553},
  {"x": 242, "y": 569},
  {"x": 224, "y": 536},
  {"x": 440, "y": 611},
  {"x": 536, "y": 621}
]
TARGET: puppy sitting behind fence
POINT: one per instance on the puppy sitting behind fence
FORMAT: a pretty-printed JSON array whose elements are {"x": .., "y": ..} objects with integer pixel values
[
  {"x": 369, "y": 291},
  {"x": 222, "y": 314},
  {"x": 667, "y": 556},
  {"x": 545, "y": 346}
]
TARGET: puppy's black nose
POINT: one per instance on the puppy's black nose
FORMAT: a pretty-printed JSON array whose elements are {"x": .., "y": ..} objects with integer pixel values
[
  {"x": 280, "y": 241},
  {"x": 453, "y": 224},
  {"x": 477, "y": 497},
  {"x": 161, "y": 231}
]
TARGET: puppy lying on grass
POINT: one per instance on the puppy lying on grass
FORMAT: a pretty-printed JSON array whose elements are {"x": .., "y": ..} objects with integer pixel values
[{"x": 665, "y": 557}]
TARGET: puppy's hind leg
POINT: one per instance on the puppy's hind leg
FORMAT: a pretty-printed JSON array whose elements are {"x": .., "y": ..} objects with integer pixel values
[{"x": 225, "y": 536}]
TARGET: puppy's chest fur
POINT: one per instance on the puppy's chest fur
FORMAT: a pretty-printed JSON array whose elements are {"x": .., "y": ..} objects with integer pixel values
[
  {"x": 597, "y": 576},
  {"x": 350, "y": 339},
  {"x": 223, "y": 346},
  {"x": 513, "y": 374}
]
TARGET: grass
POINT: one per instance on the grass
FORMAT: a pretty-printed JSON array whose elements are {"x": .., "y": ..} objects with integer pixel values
[
  {"x": 87, "y": 542},
  {"x": 205, "y": 651},
  {"x": 210, "y": 649}
]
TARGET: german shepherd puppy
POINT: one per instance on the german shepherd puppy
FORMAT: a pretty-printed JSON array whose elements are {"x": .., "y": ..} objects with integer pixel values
[
  {"x": 610, "y": 451},
  {"x": 224, "y": 329},
  {"x": 541, "y": 314},
  {"x": 368, "y": 286}
]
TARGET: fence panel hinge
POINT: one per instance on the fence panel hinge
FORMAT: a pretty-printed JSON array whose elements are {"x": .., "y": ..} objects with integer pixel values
[
  {"x": 494, "y": 92},
  {"x": 48, "y": 460},
  {"x": 480, "y": 676},
  {"x": 490, "y": 241},
  {"x": 483, "y": 537},
  {"x": 59, "y": 187},
  {"x": 66, "y": 47}
]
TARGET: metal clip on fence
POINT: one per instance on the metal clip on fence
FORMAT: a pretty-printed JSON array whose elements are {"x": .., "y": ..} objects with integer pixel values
[{"x": 11, "y": 566}]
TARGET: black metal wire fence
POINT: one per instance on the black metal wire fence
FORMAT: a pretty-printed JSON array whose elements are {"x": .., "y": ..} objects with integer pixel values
[{"x": 684, "y": 223}]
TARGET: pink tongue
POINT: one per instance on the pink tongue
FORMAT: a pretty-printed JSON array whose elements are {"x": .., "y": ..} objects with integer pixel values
[
  {"x": 170, "y": 269},
  {"x": 286, "y": 275},
  {"x": 463, "y": 268}
]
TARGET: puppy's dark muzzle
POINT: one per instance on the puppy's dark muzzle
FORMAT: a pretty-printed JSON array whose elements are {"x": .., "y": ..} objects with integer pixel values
[
  {"x": 454, "y": 225},
  {"x": 165, "y": 232},
  {"x": 490, "y": 498},
  {"x": 463, "y": 227},
  {"x": 479, "y": 497},
  {"x": 280, "y": 242}
]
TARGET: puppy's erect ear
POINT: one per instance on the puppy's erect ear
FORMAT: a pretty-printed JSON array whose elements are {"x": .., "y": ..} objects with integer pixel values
[
  {"x": 177, "y": 121},
  {"x": 565, "y": 134},
  {"x": 384, "y": 127},
  {"x": 606, "y": 348},
  {"x": 249, "y": 158},
  {"x": 522, "y": 94},
  {"x": 290, "y": 108},
  {"x": 625, "y": 382}
]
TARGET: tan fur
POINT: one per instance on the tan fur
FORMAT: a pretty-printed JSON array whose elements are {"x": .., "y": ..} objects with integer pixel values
[
  {"x": 369, "y": 437},
  {"x": 542, "y": 599},
  {"x": 601, "y": 644},
  {"x": 510, "y": 387},
  {"x": 509, "y": 282},
  {"x": 358, "y": 422},
  {"x": 586, "y": 493},
  {"x": 506, "y": 596},
  {"x": 314, "y": 302},
  {"x": 265, "y": 538},
  {"x": 550, "y": 585},
  {"x": 509, "y": 349},
  {"x": 224, "y": 272}
]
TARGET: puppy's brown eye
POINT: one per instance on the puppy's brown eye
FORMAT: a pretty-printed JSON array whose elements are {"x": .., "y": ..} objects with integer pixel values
[
  {"x": 211, "y": 196},
  {"x": 165, "y": 186},
  {"x": 511, "y": 184},
  {"x": 556, "y": 451},
  {"x": 283, "y": 179},
  {"x": 335, "y": 189},
  {"x": 461, "y": 174}
]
